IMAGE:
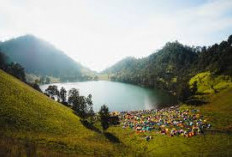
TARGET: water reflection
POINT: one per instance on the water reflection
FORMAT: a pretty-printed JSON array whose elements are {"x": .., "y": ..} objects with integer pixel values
[{"x": 120, "y": 96}]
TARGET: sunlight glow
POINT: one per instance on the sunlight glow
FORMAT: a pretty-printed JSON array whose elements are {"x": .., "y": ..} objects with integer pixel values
[{"x": 99, "y": 33}]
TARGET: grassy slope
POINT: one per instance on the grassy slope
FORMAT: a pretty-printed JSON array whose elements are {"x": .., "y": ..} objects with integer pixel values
[
  {"x": 219, "y": 110},
  {"x": 29, "y": 115},
  {"x": 217, "y": 142},
  {"x": 217, "y": 90},
  {"x": 207, "y": 83},
  {"x": 32, "y": 121}
]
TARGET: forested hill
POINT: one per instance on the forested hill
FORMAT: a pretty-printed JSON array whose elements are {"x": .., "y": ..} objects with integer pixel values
[
  {"x": 159, "y": 68},
  {"x": 125, "y": 65},
  {"x": 174, "y": 65},
  {"x": 41, "y": 58}
]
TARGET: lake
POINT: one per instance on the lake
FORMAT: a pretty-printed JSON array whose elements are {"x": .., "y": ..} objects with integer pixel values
[{"x": 120, "y": 96}]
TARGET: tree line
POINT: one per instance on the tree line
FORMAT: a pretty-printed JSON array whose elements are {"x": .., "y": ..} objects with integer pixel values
[
  {"x": 15, "y": 69},
  {"x": 171, "y": 67},
  {"x": 81, "y": 105}
]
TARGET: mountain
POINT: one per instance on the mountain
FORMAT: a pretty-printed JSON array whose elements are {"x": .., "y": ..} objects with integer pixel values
[
  {"x": 41, "y": 58},
  {"x": 173, "y": 66},
  {"x": 123, "y": 65},
  {"x": 157, "y": 69}
]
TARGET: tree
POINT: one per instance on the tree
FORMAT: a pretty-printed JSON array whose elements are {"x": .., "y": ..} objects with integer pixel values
[
  {"x": 230, "y": 39},
  {"x": 81, "y": 107},
  {"x": 16, "y": 70},
  {"x": 183, "y": 92},
  {"x": 91, "y": 115},
  {"x": 90, "y": 108},
  {"x": 194, "y": 88},
  {"x": 104, "y": 116},
  {"x": 63, "y": 94},
  {"x": 3, "y": 60},
  {"x": 73, "y": 96},
  {"x": 89, "y": 102},
  {"x": 52, "y": 91},
  {"x": 35, "y": 86},
  {"x": 80, "y": 104}
]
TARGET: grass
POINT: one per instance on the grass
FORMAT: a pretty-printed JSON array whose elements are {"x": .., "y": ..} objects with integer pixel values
[
  {"x": 218, "y": 110},
  {"x": 31, "y": 124},
  {"x": 28, "y": 115},
  {"x": 163, "y": 145},
  {"x": 216, "y": 142},
  {"x": 208, "y": 83}
]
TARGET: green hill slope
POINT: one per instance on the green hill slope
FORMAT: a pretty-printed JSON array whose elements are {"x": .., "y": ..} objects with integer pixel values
[
  {"x": 219, "y": 110},
  {"x": 32, "y": 124},
  {"x": 29, "y": 116},
  {"x": 209, "y": 84},
  {"x": 216, "y": 142},
  {"x": 156, "y": 70}
]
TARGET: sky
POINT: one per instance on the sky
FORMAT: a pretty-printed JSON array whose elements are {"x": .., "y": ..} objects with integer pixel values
[{"x": 99, "y": 33}]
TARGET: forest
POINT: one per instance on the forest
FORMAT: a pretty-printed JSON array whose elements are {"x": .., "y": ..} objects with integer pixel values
[{"x": 172, "y": 67}]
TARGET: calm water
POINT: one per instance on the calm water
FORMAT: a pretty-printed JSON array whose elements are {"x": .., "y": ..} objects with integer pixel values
[{"x": 120, "y": 96}]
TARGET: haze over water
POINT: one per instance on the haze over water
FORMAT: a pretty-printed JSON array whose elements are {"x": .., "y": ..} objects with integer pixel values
[{"x": 120, "y": 96}]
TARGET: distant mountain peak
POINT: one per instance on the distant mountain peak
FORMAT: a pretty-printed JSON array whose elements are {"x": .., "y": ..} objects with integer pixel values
[
  {"x": 40, "y": 57},
  {"x": 26, "y": 37}
]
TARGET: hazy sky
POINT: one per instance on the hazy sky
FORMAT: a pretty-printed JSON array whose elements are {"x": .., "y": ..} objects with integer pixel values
[{"x": 98, "y": 33}]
